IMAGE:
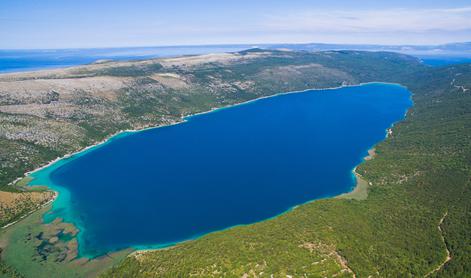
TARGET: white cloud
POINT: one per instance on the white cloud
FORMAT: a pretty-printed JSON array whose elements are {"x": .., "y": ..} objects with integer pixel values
[
  {"x": 384, "y": 20},
  {"x": 374, "y": 26}
]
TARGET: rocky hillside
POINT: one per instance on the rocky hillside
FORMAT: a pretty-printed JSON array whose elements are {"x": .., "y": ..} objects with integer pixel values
[{"x": 47, "y": 114}]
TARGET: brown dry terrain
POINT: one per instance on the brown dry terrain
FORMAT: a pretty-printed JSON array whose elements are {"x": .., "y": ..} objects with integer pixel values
[{"x": 14, "y": 204}]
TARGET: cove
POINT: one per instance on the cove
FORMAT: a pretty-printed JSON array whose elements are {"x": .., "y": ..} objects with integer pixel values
[{"x": 229, "y": 167}]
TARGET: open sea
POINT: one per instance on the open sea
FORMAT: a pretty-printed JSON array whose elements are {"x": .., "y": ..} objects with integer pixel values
[
  {"x": 441, "y": 61},
  {"x": 30, "y": 60},
  {"x": 232, "y": 166}
]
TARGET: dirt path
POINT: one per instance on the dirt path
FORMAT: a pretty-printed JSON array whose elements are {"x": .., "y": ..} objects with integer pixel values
[{"x": 448, "y": 256}]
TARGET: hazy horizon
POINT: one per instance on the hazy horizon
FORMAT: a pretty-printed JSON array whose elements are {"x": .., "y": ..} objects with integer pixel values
[{"x": 250, "y": 45}]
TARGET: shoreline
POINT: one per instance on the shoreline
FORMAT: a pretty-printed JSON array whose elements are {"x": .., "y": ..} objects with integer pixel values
[
  {"x": 347, "y": 195},
  {"x": 183, "y": 119},
  {"x": 360, "y": 191}
]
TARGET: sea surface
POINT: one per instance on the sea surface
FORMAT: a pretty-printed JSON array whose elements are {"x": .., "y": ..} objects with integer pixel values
[
  {"x": 29, "y": 60},
  {"x": 232, "y": 166},
  {"x": 440, "y": 61}
]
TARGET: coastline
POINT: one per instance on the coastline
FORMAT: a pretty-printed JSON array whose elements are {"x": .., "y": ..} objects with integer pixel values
[
  {"x": 183, "y": 119},
  {"x": 360, "y": 191}
]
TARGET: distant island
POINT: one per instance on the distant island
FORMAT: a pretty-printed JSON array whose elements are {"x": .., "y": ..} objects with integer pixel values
[{"x": 413, "y": 222}]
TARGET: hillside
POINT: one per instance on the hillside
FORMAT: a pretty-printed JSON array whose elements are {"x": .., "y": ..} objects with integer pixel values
[
  {"x": 419, "y": 177},
  {"x": 47, "y": 114}
]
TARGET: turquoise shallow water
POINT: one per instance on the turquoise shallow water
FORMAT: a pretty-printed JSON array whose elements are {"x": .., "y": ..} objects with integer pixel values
[{"x": 229, "y": 167}]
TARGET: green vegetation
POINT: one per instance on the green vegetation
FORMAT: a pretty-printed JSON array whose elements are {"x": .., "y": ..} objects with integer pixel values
[
  {"x": 419, "y": 176},
  {"x": 8, "y": 271}
]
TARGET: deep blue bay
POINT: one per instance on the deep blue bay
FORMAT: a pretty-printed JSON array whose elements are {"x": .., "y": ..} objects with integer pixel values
[{"x": 233, "y": 166}]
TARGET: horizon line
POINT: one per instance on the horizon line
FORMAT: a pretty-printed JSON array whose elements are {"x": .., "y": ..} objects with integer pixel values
[{"x": 254, "y": 45}]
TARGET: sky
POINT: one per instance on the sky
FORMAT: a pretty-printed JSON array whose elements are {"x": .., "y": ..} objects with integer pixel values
[{"x": 36, "y": 24}]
